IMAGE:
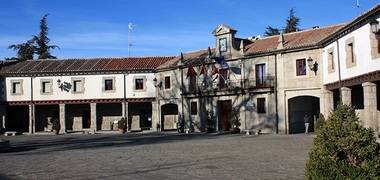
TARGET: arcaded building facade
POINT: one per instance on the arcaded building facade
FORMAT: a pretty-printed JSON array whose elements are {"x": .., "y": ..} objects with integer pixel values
[{"x": 268, "y": 83}]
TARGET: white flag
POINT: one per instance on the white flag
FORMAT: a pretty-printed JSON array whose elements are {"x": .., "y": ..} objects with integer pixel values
[{"x": 130, "y": 26}]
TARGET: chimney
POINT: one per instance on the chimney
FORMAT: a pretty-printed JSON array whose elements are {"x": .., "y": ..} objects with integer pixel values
[
  {"x": 281, "y": 41},
  {"x": 242, "y": 46}
]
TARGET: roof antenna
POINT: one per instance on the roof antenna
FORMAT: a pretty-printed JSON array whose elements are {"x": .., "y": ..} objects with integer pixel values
[{"x": 181, "y": 56}]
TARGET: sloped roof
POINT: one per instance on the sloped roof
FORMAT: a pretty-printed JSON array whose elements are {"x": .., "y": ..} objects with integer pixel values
[
  {"x": 194, "y": 57},
  {"x": 306, "y": 38},
  {"x": 364, "y": 17},
  {"x": 85, "y": 65}
]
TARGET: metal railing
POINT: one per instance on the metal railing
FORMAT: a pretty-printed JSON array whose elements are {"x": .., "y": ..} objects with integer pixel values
[{"x": 251, "y": 83}]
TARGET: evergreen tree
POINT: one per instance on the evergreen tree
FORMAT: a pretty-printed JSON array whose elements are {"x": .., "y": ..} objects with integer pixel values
[
  {"x": 25, "y": 50},
  {"x": 292, "y": 22},
  {"x": 42, "y": 41},
  {"x": 37, "y": 45},
  {"x": 271, "y": 31},
  {"x": 343, "y": 149}
]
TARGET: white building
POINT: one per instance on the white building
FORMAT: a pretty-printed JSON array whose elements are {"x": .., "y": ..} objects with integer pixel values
[
  {"x": 352, "y": 67},
  {"x": 269, "y": 83},
  {"x": 83, "y": 93}
]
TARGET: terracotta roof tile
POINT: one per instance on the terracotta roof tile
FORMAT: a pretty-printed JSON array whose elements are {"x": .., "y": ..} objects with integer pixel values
[
  {"x": 85, "y": 65},
  {"x": 194, "y": 57},
  {"x": 299, "y": 39}
]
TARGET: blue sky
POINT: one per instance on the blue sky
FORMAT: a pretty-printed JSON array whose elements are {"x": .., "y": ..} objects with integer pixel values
[{"x": 99, "y": 28}]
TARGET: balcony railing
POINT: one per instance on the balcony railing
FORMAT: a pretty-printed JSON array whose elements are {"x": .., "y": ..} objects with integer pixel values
[
  {"x": 230, "y": 85},
  {"x": 264, "y": 82}
]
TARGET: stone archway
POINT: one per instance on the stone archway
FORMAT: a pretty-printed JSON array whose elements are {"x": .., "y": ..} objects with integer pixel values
[
  {"x": 169, "y": 116},
  {"x": 298, "y": 107}
]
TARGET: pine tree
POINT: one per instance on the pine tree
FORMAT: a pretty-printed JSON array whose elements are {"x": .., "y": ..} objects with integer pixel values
[
  {"x": 271, "y": 31},
  {"x": 42, "y": 41},
  {"x": 292, "y": 22},
  {"x": 25, "y": 50},
  {"x": 37, "y": 45}
]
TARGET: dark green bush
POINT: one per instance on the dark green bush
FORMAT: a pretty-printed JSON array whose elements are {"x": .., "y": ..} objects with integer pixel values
[
  {"x": 343, "y": 149},
  {"x": 122, "y": 124},
  {"x": 319, "y": 122}
]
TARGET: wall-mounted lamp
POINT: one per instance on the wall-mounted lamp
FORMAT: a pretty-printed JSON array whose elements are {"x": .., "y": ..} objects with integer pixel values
[
  {"x": 60, "y": 84},
  {"x": 313, "y": 65},
  {"x": 156, "y": 83},
  {"x": 375, "y": 28}
]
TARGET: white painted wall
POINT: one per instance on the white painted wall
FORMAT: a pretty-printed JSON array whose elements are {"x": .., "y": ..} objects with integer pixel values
[
  {"x": 362, "y": 50},
  {"x": 93, "y": 87},
  {"x": 149, "y": 89}
]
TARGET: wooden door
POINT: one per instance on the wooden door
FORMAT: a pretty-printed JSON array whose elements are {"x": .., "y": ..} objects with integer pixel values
[{"x": 224, "y": 113}]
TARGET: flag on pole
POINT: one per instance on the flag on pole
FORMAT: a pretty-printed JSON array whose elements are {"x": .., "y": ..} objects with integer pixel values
[
  {"x": 222, "y": 63},
  {"x": 203, "y": 70},
  {"x": 190, "y": 70},
  {"x": 214, "y": 70}
]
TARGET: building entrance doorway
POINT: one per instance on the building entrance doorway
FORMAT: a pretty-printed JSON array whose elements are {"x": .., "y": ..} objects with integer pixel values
[
  {"x": 298, "y": 107},
  {"x": 224, "y": 113},
  {"x": 169, "y": 117}
]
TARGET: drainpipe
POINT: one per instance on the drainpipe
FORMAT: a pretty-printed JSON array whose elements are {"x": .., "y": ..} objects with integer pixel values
[
  {"x": 275, "y": 91},
  {"x": 32, "y": 106},
  {"x": 339, "y": 74},
  {"x": 125, "y": 97},
  {"x": 182, "y": 91}
]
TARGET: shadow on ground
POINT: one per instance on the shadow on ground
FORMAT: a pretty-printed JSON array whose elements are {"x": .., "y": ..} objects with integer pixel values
[{"x": 63, "y": 143}]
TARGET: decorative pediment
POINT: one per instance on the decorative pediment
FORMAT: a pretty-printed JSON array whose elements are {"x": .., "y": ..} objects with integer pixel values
[{"x": 223, "y": 29}]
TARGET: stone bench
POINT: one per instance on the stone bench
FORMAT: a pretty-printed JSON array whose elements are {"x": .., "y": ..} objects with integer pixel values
[
  {"x": 88, "y": 131},
  {"x": 11, "y": 133},
  {"x": 251, "y": 132}
]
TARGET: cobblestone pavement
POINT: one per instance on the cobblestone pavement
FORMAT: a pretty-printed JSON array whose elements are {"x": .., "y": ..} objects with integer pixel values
[{"x": 156, "y": 156}]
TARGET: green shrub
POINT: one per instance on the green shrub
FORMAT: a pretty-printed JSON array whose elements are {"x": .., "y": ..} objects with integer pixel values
[
  {"x": 122, "y": 124},
  {"x": 319, "y": 122},
  {"x": 343, "y": 149}
]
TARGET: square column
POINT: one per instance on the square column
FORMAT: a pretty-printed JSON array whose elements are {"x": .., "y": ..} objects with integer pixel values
[
  {"x": 3, "y": 120},
  {"x": 94, "y": 125},
  {"x": 62, "y": 118},
  {"x": 124, "y": 109},
  {"x": 346, "y": 95},
  {"x": 370, "y": 106},
  {"x": 155, "y": 115},
  {"x": 124, "y": 112},
  {"x": 31, "y": 118},
  {"x": 328, "y": 102}
]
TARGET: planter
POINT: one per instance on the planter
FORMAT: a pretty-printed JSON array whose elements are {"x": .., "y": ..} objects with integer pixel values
[{"x": 235, "y": 130}]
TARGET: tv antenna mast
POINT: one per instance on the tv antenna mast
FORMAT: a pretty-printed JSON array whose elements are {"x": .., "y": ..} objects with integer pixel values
[{"x": 130, "y": 27}]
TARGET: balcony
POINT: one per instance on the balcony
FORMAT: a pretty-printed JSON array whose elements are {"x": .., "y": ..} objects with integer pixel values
[
  {"x": 231, "y": 85},
  {"x": 264, "y": 82}
]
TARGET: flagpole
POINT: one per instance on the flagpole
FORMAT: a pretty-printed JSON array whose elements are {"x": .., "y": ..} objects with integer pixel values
[{"x": 130, "y": 26}]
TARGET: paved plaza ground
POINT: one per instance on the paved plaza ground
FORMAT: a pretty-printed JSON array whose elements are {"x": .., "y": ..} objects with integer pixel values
[{"x": 156, "y": 156}]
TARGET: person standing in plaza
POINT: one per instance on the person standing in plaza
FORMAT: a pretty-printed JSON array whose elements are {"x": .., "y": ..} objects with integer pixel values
[{"x": 306, "y": 120}]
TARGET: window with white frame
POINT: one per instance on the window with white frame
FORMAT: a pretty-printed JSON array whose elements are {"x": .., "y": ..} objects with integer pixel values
[
  {"x": 46, "y": 86},
  {"x": 139, "y": 84},
  {"x": 16, "y": 87},
  {"x": 78, "y": 85},
  {"x": 109, "y": 84}
]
